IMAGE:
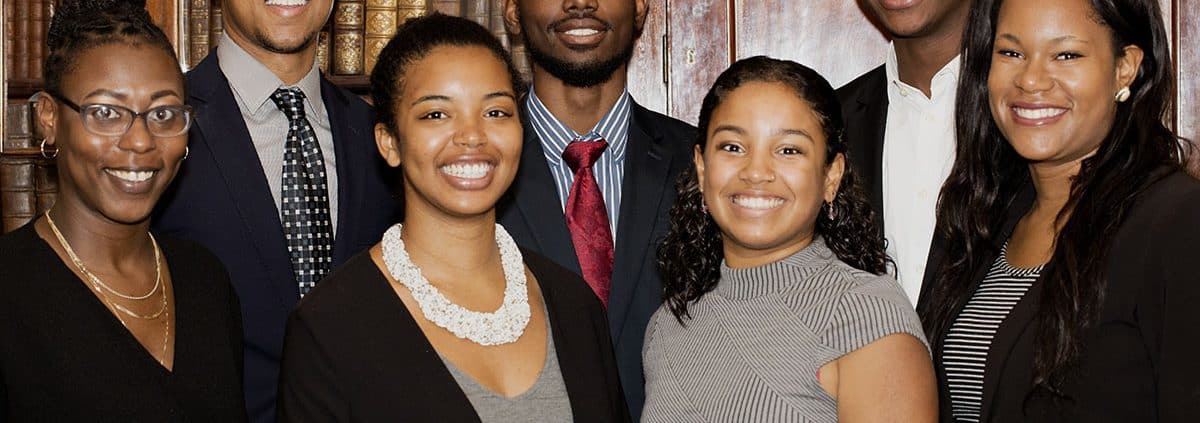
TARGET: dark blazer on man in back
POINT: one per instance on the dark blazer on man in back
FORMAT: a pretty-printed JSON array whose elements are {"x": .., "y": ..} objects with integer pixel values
[
  {"x": 659, "y": 148},
  {"x": 864, "y": 108},
  {"x": 1139, "y": 359},
  {"x": 221, "y": 200}
]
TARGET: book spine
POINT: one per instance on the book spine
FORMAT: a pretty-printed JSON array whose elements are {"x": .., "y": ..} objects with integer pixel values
[
  {"x": 447, "y": 7},
  {"x": 407, "y": 9},
  {"x": 381, "y": 21},
  {"x": 45, "y": 184},
  {"x": 18, "y": 199},
  {"x": 323, "y": 52},
  {"x": 198, "y": 26},
  {"x": 496, "y": 21},
  {"x": 216, "y": 27},
  {"x": 20, "y": 22},
  {"x": 347, "y": 37},
  {"x": 18, "y": 124},
  {"x": 10, "y": 34},
  {"x": 37, "y": 37},
  {"x": 477, "y": 10}
]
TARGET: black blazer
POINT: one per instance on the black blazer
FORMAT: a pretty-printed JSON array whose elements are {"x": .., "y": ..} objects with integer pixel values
[
  {"x": 659, "y": 148},
  {"x": 221, "y": 200},
  {"x": 864, "y": 108},
  {"x": 354, "y": 353},
  {"x": 1140, "y": 360}
]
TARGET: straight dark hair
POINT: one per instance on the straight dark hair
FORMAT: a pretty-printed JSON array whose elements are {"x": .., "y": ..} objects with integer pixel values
[{"x": 988, "y": 174}]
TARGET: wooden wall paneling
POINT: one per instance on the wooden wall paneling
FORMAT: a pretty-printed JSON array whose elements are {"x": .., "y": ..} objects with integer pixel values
[
  {"x": 833, "y": 37},
  {"x": 171, "y": 15},
  {"x": 4, "y": 72},
  {"x": 1187, "y": 59},
  {"x": 647, "y": 83},
  {"x": 699, "y": 49}
]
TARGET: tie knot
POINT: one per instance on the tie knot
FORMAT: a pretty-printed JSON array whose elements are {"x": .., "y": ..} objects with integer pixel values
[
  {"x": 582, "y": 154},
  {"x": 290, "y": 101}
]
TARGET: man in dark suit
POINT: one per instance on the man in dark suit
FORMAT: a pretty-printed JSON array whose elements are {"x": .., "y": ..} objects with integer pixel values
[
  {"x": 282, "y": 182},
  {"x": 900, "y": 125},
  {"x": 597, "y": 172}
]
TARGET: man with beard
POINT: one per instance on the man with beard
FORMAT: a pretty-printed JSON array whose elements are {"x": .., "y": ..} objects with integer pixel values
[
  {"x": 597, "y": 172},
  {"x": 284, "y": 182},
  {"x": 900, "y": 125}
]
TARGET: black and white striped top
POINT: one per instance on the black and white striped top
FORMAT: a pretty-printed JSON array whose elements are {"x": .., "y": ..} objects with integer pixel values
[
  {"x": 751, "y": 351},
  {"x": 965, "y": 351}
]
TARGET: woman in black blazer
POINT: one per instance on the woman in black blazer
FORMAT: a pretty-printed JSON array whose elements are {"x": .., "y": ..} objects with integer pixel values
[
  {"x": 1066, "y": 288},
  {"x": 405, "y": 331}
]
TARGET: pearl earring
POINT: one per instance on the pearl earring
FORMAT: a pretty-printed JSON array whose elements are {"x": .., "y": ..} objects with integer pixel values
[{"x": 1122, "y": 94}]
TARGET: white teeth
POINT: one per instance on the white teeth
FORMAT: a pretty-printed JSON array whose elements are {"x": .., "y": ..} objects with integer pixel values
[
  {"x": 131, "y": 176},
  {"x": 757, "y": 203},
  {"x": 286, "y": 2},
  {"x": 582, "y": 32},
  {"x": 467, "y": 170},
  {"x": 1041, "y": 113}
]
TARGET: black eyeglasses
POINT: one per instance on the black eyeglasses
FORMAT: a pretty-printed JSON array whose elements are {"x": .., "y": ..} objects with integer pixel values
[{"x": 111, "y": 120}]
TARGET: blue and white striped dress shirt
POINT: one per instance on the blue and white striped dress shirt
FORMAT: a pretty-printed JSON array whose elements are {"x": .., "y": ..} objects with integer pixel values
[{"x": 609, "y": 169}]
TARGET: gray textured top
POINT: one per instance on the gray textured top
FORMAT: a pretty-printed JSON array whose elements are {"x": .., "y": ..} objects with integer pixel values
[
  {"x": 545, "y": 401},
  {"x": 751, "y": 351}
]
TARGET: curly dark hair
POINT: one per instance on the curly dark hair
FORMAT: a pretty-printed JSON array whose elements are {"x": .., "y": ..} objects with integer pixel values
[
  {"x": 988, "y": 174},
  {"x": 79, "y": 25},
  {"x": 412, "y": 42},
  {"x": 690, "y": 256}
]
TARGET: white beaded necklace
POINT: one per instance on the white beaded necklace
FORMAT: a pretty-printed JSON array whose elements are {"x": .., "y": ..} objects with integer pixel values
[{"x": 503, "y": 326}]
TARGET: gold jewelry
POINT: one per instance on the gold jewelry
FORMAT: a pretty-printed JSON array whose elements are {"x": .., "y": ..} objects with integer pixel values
[{"x": 97, "y": 283}]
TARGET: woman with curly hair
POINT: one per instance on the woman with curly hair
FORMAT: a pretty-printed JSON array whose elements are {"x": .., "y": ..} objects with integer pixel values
[
  {"x": 102, "y": 320},
  {"x": 1071, "y": 294},
  {"x": 777, "y": 304}
]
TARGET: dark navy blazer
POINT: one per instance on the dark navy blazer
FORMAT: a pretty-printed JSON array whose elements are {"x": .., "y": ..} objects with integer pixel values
[{"x": 221, "y": 200}]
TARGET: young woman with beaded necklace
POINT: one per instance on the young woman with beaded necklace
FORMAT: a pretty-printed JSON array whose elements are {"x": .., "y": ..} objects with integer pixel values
[
  {"x": 446, "y": 319},
  {"x": 102, "y": 322}
]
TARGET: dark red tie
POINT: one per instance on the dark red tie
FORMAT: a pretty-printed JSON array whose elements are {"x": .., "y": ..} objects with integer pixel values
[{"x": 587, "y": 218}]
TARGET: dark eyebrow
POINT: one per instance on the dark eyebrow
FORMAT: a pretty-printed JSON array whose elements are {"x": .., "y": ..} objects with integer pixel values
[
  {"x": 1010, "y": 37},
  {"x": 500, "y": 94},
  {"x": 730, "y": 128},
  {"x": 800, "y": 132},
  {"x": 107, "y": 92},
  {"x": 435, "y": 97},
  {"x": 163, "y": 93}
]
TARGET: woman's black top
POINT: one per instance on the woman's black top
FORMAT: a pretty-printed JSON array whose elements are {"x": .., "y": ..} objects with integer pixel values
[
  {"x": 1140, "y": 360},
  {"x": 64, "y": 357},
  {"x": 354, "y": 353}
]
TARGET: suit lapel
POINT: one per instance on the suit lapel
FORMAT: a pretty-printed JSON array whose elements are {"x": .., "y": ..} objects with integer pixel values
[
  {"x": 538, "y": 202},
  {"x": 647, "y": 169},
  {"x": 350, "y": 169},
  {"x": 225, "y": 135},
  {"x": 870, "y": 109}
]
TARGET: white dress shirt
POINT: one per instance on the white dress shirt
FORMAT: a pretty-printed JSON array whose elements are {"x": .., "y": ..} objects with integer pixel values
[{"x": 918, "y": 152}]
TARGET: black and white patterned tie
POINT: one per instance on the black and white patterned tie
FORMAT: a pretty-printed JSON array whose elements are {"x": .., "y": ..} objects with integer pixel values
[{"x": 305, "y": 199}]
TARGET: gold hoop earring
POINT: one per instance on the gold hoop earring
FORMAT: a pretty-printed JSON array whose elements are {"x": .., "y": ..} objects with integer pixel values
[
  {"x": 186, "y": 151},
  {"x": 42, "y": 148},
  {"x": 1122, "y": 94}
]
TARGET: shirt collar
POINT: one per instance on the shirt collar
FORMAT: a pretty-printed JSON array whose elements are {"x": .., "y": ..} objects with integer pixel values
[
  {"x": 555, "y": 135},
  {"x": 891, "y": 67},
  {"x": 252, "y": 83}
]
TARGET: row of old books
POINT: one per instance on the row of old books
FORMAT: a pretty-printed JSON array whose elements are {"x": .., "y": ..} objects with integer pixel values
[
  {"x": 28, "y": 184},
  {"x": 357, "y": 30},
  {"x": 26, "y": 24}
]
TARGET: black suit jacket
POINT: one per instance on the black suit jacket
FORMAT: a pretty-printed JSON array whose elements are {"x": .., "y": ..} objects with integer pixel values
[
  {"x": 659, "y": 148},
  {"x": 355, "y": 354},
  {"x": 864, "y": 108},
  {"x": 1140, "y": 360},
  {"x": 221, "y": 200}
]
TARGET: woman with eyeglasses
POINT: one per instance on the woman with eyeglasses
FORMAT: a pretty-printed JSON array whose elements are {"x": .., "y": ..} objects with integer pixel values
[{"x": 101, "y": 320}]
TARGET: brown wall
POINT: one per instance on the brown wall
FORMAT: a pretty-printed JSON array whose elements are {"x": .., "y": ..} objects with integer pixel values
[{"x": 700, "y": 38}]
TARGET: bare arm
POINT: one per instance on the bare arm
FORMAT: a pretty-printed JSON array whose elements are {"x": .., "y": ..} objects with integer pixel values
[{"x": 888, "y": 380}]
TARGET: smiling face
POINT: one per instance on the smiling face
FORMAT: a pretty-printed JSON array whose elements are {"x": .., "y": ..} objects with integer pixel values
[
  {"x": 763, "y": 172},
  {"x": 458, "y": 137},
  {"x": 276, "y": 26},
  {"x": 581, "y": 42},
  {"x": 917, "y": 18},
  {"x": 118, "y": 178},
  {"x": 1053, "y": 79}
]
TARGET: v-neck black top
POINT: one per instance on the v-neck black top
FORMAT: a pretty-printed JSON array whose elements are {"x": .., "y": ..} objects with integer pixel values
[
  {"x": 65, "y": 357},
  {"x": 354, "y": 353}
]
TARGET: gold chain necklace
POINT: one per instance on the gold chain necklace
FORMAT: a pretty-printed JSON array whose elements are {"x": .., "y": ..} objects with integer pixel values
[{"x": 97, "y": 283}]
